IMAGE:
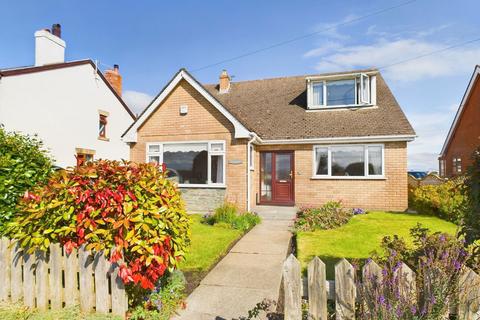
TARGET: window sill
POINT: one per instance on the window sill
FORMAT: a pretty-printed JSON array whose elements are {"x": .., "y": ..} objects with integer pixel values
[
  {"x": 347, "y": 178},
  {"x": 103, "y": 139},
  {"x": 202, "y": 186},
  {"x": 348, "y": 106}
]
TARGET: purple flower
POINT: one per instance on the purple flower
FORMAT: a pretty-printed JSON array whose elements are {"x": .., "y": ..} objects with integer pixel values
[{"x": 358, "y": 211}]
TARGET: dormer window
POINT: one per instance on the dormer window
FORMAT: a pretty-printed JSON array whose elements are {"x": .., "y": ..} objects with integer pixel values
[{"x": 337, "y": 92}]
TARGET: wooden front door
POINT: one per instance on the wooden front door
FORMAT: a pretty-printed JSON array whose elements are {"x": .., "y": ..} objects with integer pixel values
[{"x": 277, "y": 177}]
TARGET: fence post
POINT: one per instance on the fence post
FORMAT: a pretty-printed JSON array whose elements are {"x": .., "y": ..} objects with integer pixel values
[
  {"x": 406, "y": 282},
  {"x": 317, "y": 290},
  {"x": 16, "y": 260},
  {"x": 345, "y": 290},
  {"x": 119, "y": 295},
  {"x": 71, "y": 282},
  {"x": 292, "y": 285},
  {"x": 87, "y": 293},
  {"x": 28, "y": 280},
  {"x": 4, "y": 269},
  {"x": 469, "y": 295},
  {"x": 102, "y": 296},
  {"x": 41, "y": 278},
  {"x": 56, "y": 267}
]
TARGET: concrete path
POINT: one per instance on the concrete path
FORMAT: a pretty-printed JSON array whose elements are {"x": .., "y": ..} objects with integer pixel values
[{"x": 249, "y": 273}]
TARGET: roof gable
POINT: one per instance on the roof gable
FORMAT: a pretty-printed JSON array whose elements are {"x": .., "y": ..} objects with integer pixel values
[
  {"x": 130, "y": 135},
  {"x": 458, "y": 115},
  {"x": 50, "y": 67}
]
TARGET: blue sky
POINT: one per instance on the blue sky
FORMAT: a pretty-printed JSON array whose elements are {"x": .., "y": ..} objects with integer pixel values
[{"x": 151, "y": 40}]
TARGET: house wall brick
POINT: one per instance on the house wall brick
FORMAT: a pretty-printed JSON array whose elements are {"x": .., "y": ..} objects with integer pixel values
[
  {"x": 203, "y": 122},
  {"x": 386, "y": 194},
  {"x": 466, "y": 137}
]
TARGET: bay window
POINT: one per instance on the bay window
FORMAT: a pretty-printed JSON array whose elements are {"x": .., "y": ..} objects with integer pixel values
[
  {"x": 343, "y": 92},
  {"x": 348, "y": 161},
  {"x": 191, "y": 163}
]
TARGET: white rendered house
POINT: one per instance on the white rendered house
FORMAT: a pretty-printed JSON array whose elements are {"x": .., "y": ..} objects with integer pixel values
[{"x": 76, "y": 110}]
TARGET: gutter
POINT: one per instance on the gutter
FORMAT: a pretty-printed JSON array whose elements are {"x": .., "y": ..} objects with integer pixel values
[{"x": 407, "y": 138}]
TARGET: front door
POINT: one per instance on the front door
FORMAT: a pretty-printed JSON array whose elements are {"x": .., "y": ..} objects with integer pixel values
[{"x": 276, "y": 177}]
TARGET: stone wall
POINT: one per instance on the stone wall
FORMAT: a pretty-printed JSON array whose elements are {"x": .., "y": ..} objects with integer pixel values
[{"x": 202, "y": 200}]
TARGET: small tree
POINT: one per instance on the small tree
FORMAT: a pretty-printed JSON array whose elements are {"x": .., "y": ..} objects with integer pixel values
[
  {"x": 130, "y": 211},
  {"x": 24, "y": 163},
  {"x": 471, "y": 226}
]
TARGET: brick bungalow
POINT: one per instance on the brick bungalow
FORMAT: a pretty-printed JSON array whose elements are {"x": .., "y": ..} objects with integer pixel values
[
  {"x": 300, "y": 140},
  {"x": 464, "y": 134}
]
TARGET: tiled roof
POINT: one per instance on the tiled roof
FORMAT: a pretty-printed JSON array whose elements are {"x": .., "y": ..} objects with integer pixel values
[{"x": 277, "y": 109}]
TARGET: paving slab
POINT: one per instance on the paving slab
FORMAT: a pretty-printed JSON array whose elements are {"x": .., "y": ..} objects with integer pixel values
[{"x": 248, "y": 274}]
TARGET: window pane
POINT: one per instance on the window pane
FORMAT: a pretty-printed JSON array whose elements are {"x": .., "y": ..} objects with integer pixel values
[
  {"x": 154, "y": 159},
  {"x": 375, "y": 160},
  {"x": 216, "y": 169},
  {"x": 266, "y": 177},
  {"x": 340, "y": 92},
  {"x": 154, "y": 148},
  {"x": 216, "y": 147},
  {"x": 317, "y": 94},
  {"x": 283, "y": 166},
  {"x": 188, "y": 161},
  {"x": 365, "y": 89},
  {"x": 348, "y": 161},
  {"x": 321, "y": 161}
]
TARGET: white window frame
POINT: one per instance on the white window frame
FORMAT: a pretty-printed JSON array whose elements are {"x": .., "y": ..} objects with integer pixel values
[
  {"x": 360, "y": 100},
  {"x": 210, "y": 152},
  {"x": 366, "y": 160},
  {"x": 457, "y": 165}
]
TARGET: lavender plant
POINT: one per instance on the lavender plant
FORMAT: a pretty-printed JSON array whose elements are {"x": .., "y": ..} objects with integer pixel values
[{"x": 437, "y": 260}]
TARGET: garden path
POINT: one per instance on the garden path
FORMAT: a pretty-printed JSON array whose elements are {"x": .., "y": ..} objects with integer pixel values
[{"x": 249, "y": 273}]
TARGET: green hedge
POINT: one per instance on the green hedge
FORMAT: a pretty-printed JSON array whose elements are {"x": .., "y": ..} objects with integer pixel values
[
  {"x": 446, "y": 200},
  {"x": 24, "y": 163}
]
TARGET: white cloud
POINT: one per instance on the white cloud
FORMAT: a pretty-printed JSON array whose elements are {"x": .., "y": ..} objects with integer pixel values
[
  {"x": 432, "y": 129},
  {"x": 385, "y": 53},
  {"x": 136, "y": 100}
]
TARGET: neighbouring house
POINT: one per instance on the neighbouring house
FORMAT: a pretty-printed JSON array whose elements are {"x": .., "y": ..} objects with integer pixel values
[
  {"x": 300, "y": 140},
  {"x": 72, "y": 106},
  {"x": 464, "y": 134}
]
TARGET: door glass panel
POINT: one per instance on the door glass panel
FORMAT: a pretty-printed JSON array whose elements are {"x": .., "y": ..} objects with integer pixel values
[
  {"x": 266, "y": 177},
  {"x": 282, "y": 166}
]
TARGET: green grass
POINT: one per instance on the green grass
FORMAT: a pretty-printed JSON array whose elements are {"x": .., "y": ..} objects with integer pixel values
[
  {"x": 362, "y": 235},
  {"x": 18, "y": 312},
  {"x": 209, "y": 243}
]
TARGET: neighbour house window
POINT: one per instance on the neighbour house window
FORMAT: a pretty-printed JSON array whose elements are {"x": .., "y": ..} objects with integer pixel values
[
  {"x": 102, "y": 126},
  {"x": 326, "y": 93},
  {"x": 82, "y": 158},
  {"x": 457, "y": 165},
  {"x": 192, "y": 163},
  {"x": 341, "y": 161}
]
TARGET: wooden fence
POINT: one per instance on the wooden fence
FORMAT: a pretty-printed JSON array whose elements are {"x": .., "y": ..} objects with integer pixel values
[
  {"x": 343, "y": 291},
  {"x": 55, "y": 280}
]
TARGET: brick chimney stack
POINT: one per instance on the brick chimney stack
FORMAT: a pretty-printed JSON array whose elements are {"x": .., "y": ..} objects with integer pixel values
[
  {"x": 224, "y": 85},
  {"x": 115, "y": 79},
  {"x": 49, "y": 46}
]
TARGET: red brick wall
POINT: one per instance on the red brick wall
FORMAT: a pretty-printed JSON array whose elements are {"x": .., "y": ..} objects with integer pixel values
[{"x": 466, "y": 137}]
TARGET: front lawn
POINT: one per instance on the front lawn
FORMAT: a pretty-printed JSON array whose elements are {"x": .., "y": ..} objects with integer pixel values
[
  {"x": 209, "y": 244},
  {"x": 361, "y": 235}
]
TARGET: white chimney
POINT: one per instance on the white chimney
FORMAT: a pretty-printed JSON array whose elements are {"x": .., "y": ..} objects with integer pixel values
[{"x": 49, "y": 48}]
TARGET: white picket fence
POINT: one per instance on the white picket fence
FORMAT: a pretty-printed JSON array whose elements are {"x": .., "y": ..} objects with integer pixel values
[
  {"x": 56, "y": 280},
  {"x": 343, "y": 290}
]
